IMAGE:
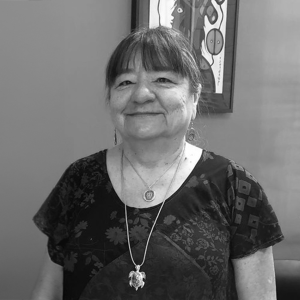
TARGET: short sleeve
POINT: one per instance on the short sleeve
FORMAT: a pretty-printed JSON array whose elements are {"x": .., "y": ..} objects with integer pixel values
[
  {"x": 53, "y": 216},
  {"x": 254, "y": 224}
]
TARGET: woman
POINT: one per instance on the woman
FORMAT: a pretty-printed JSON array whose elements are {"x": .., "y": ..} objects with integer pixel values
[{"x": 156, "y": 217}]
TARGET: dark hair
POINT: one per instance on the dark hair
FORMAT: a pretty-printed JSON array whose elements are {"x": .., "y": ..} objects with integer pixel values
[{"x": 159, "y": 47}]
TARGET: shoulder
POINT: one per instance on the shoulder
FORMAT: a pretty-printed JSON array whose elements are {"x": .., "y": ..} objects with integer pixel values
[
  {"x": 87, "y": 161},
  {"x": 221, "y": 164},
  {"x": 84, "y": 170},
  {"x": 226, "y": 175},
  {"x": 214, "y": 165},
  {"x": 215, "y": 159},
  {"x": 90, "y": 162}
]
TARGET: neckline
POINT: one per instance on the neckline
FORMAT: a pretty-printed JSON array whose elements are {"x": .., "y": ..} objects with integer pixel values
[{"x": 118, "y": 201}]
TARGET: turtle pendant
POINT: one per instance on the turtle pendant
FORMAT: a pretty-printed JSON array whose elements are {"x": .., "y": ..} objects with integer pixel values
[{"x": 137, "y": 278}]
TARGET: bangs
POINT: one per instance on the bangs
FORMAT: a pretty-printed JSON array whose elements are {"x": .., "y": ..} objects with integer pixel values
[{"x": 156, "y": 54}]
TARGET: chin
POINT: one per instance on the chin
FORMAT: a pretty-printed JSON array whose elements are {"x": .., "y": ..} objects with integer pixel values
[
  {"x": 145, "y": 133},
  {"x": 142, "y": 135},
  {"x": 145, "y": 137}
]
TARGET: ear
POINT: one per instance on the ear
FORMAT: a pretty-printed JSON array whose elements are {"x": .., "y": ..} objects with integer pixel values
[{"x": 196, "y": 97}]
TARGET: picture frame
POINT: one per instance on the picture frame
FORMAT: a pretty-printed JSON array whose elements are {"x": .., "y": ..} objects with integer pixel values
[{"x": 211, "y": 26}]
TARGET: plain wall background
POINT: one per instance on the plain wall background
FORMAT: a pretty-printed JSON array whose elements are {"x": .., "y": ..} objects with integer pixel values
[{"x": 52, "y": 112}]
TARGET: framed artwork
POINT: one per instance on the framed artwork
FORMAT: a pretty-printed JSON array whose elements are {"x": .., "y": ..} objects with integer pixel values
[{"x": 211, "y": 27}]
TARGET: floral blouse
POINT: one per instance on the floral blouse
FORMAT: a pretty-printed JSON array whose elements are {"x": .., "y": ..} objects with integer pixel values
[{"x": 219, "y": 213}]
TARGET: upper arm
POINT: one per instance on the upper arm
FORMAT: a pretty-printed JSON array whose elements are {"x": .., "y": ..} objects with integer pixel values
[
  {"x": 255, "y": 276},
  {"x": 50, "y": 282}
]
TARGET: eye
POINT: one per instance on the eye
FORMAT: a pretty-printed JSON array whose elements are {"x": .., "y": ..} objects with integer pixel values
[
  {"x": 124, "y": 83},
  {"x": 163, "y": 80}
]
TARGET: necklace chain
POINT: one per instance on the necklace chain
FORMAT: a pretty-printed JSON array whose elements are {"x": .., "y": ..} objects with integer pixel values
[
  {"x": 149, "y": 194},
  {"x": 145, "y": 183},
  {"x": 165, "y": 197}
]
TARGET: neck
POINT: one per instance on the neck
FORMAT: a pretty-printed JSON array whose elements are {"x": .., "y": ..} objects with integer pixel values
[{"x": 152, "y": 154}]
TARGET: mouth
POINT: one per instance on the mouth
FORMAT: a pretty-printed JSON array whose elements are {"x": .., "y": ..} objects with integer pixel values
[{"x": 143, "y": 114}]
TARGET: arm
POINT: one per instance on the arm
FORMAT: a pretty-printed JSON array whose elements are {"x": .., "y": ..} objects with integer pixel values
[
  {"x": 255, "y": 276},
  {"x": 49, "y": 283}
]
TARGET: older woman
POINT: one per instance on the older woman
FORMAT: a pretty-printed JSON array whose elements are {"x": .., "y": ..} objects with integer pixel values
[{"x": 156, "y": 217}]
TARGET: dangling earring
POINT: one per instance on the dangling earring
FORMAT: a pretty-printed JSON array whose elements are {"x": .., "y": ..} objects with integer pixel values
[
  {"x": 115, "y": 137},
  {"x": 191, "y": 133}
]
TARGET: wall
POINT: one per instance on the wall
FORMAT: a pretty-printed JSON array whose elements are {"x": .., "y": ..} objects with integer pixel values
[
  {"x": 263, "y": 132},
  {"x": 52, "y": 59}
]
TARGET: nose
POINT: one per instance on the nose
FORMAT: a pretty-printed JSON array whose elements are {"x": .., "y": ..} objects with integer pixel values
[{"x": 143, "y": 92}]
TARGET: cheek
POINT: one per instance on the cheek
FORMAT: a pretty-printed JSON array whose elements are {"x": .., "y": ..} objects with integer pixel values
[
  {"x": 116, "y": 104},
  {"x": 180, "y": 106},
  {"x": 115, "y": 113},
  {"x": 186, "y": 108}
]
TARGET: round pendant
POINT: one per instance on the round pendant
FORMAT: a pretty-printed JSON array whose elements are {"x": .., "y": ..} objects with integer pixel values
[{"x": 149, "y": 195}]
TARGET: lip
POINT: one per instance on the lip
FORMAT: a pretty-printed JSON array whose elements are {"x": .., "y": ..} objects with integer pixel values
[{"x": 143, "y": 114}]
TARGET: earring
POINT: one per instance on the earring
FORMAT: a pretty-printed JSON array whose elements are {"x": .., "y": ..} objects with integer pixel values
[
  {"x": 191, "y": 133},
  {"x": 115, "y": 137}
]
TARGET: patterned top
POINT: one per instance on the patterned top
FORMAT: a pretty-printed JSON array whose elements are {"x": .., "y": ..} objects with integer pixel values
[{"x": 219, "y": 213}]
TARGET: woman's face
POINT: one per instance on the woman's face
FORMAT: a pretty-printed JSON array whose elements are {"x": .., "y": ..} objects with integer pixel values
[{"x": 151, "y": 104}]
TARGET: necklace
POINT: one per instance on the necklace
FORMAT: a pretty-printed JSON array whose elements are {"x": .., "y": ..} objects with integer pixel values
[
  {"x": 137, "y": 277},
  {"x": 149, "y": 194}
]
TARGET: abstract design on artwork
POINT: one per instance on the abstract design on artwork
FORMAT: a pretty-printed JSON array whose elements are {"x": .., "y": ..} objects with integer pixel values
[{"x": 203, "y": 23}]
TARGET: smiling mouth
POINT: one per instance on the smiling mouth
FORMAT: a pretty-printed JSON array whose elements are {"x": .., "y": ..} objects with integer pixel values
[{"x": 143, "y": 114}]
